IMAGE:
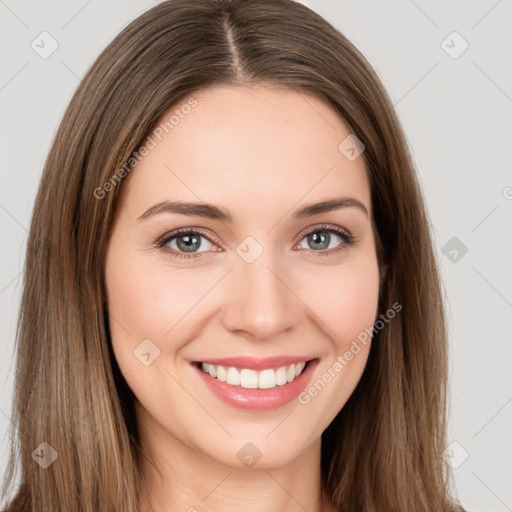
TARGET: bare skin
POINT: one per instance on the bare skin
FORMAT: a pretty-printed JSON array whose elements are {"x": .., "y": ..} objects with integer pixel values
[{"x": 261, "y": 153}]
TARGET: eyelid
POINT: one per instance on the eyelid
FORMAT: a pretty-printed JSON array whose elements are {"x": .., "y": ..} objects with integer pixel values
[
  {"x": 172, "y": 234},
  {"x": 318, "y": 227}
]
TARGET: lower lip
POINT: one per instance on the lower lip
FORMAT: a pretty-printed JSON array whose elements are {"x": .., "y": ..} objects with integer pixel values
[{"x": 258, "y": 399}]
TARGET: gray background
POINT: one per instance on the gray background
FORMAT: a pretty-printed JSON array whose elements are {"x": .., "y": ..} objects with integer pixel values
[{"x": 457, "y": 117}]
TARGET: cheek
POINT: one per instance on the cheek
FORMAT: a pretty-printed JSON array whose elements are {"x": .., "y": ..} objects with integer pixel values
[
  {"x": 346, "y": 301},
  {"x": 151, "y": 301},
  {"x": 141, "y": 299},
  {"x": 135, "y": 305},
  {"x": 345, "y": 298}
]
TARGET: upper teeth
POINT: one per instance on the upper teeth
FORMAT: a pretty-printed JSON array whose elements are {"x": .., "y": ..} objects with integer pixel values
[{"x": 247, "y": 378}]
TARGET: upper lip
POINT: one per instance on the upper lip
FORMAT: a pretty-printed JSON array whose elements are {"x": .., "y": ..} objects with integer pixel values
[{"x": 253, "y": 363}]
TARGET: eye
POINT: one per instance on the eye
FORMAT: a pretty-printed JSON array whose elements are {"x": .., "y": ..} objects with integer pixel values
[
  {"x": 184, "y": 243},
  {"x": 320, "y": 239}
]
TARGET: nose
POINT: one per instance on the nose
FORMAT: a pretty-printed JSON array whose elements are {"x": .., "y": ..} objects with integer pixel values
[{"x": 261, "y": 303}]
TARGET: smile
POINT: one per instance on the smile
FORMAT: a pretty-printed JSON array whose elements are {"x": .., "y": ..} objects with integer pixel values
[
  {"x": 252, "y": 379},
  {"x": 256, "y": 384}
]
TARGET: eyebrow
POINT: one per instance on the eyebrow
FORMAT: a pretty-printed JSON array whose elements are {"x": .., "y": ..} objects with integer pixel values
[{"x": 219, "y": 213}]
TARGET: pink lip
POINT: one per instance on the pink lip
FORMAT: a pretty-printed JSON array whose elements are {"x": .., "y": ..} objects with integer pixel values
[
  {"x": 253, "y": 363},
  {"x": 256, "y": 399}
]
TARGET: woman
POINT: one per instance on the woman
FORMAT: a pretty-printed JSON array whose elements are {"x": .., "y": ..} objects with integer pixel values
[{"x": 231, "y": 298}]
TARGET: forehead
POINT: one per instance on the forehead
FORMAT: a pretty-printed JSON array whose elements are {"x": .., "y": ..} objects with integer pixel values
[{"x": 250, "y": 149}]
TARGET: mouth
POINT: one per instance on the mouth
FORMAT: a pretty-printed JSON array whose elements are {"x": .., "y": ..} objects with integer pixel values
[
  {"x": 253, "y": 384},
  {"x": 250, "y": 378}
]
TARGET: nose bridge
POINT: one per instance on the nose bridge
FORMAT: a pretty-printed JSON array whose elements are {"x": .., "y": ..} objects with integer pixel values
[{"x": 260, "y": 301}]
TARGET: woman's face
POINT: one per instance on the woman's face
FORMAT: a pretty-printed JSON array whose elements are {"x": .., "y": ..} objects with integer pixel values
[{"x": 260, "y": 284}]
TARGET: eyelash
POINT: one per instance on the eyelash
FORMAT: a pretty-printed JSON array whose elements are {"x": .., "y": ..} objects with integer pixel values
[{"x": 347, "y": 238}]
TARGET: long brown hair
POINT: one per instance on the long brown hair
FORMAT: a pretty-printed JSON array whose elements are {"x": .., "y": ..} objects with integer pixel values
[{"x": 383, "y": 451}]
